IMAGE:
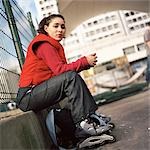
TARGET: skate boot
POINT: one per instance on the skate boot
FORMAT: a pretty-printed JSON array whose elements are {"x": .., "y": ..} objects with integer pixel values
[
  {"x": 89, "y": 128},
  {"x": 95, "y": 141},
  {"x": 102, "y": 120},
  {"x": 91, "y": 132}
]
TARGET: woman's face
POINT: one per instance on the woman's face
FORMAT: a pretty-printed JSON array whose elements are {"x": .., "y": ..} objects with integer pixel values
[{"x": 56, "y": 28}]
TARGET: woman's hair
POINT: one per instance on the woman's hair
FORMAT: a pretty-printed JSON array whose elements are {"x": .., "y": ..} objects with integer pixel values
[{"x": 46, "y": 21}]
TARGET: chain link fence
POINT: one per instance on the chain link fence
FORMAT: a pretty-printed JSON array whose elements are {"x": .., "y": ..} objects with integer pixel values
[{"x": 9, "y": 60}]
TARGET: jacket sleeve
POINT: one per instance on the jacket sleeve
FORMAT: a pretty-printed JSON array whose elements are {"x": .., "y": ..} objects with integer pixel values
[{"x": 50, "y": 56}]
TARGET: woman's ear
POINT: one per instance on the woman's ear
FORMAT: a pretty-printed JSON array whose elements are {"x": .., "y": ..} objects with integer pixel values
[{"x": 45, "y": 28}]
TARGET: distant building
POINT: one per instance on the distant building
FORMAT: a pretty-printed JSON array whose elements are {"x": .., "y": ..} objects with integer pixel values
[
  {"x": 113, "y": 35},
  {"x": 116, "y": 33},
  {"x": 46, "y": 7}
]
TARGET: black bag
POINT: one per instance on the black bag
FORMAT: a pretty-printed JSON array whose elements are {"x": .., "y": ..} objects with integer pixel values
[{"x": 65, "y": 128}]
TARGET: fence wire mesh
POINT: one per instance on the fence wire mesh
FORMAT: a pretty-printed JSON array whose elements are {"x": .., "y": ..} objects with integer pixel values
[{"x": 9, "y": 65}]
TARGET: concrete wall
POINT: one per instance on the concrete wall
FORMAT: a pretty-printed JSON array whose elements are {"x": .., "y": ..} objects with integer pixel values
[{"x": 23, "y": 130}]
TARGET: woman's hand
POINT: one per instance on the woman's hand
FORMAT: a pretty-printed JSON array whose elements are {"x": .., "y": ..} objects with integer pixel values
[{"x": 92, "y": 59}]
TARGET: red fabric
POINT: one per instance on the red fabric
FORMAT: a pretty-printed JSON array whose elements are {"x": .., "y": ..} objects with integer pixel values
[
  {"x": 45, "y": 59},
  {"x": 51, "y": 57}
]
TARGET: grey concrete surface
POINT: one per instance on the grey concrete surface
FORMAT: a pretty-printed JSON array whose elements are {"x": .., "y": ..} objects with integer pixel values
[
  {"x": 23, "y": 131},
  {"x": 131, "y": 116}
]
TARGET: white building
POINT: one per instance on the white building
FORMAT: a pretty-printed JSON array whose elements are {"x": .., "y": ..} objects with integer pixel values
[
  {"x": 112, "y": 35},
  {"x": 46, "y": 7}
]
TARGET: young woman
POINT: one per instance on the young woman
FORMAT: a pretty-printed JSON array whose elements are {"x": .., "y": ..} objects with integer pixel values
[{"x": 47, "y": 78}]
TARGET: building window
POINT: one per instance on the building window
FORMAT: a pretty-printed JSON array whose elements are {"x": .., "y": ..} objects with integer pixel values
[
  {"x": 89, "y": 24},
  {"x": 142, "y": 26},
  {"x": 93, "y": 40},
  {"x": 100, "y": 38},
  {"x": 84, "y": 26},
  {"x": 127, "y": 14},
  {"x": 115, "y": 25},
  {"x": 47, "y": 7},
  {"x": 132, "y": 13},
  {"x": 118, "y": 32},
  {"x": 40, "y": 2},
  {"x": 129, "y": 21},
  {"x": 107, "y": 18},
  {"x": 144, "y": 17},
  {"x": 113, "y": 17},
  {"x": 75, "y": 34},
  {"x": 129, "y": 50},
  {"x": 141, "y": 47},
  {"x": 95, "y": 22},
  {"x": 104, "y": 29},
  {"x": 112, "y": 34},
  {"x": 134, "y": 20},
  {"x": 105, "y": 36},
  {"x": 139, "y": 18},
  {"x": 97, "y": 30},
  {"x": 91, "y": 32},
  {"x": 137, "y": 27},
  {"x": 132, "y": 29},
  {"x": 110, "y": 66},
  {"x": 110, "y": 27}
]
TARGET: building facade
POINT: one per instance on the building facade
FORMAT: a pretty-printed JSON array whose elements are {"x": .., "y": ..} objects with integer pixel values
[
  {"x": 46, "y": 7},
  {"x": 113, "y": 36},
  {"x": 119, "y": 32}
]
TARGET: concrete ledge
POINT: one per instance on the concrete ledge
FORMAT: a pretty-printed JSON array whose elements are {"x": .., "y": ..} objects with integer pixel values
[{"x": 23, "y": 130}]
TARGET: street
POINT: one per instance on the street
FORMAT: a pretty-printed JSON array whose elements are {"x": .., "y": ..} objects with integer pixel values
[{"x": 131, "y": 118}]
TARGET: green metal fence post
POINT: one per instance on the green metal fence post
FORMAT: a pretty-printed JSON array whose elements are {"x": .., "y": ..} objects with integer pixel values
[
  {"x": 14, "y": 32},
  {"x": 31, "y": 23}
]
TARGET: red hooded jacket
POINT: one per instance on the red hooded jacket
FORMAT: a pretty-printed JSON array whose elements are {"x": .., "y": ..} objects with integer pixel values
[{"x": 36, "y": 70}]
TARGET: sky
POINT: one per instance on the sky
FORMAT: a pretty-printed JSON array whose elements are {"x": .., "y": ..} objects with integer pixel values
[{"x": 28, "y": 6}]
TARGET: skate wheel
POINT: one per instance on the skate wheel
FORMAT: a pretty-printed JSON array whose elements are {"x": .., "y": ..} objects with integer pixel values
[{"x": 111, "y": 125}]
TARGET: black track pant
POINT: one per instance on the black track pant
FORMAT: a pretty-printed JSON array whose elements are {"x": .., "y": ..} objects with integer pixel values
[{"x": 52, "y": 91}]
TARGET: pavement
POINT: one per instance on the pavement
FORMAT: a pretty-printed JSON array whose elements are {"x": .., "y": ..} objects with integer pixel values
[{"x": 131, "y": 116}]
